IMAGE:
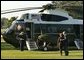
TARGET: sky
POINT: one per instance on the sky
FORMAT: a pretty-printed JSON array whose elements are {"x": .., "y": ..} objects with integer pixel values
[{"x": 6, "y": 5}]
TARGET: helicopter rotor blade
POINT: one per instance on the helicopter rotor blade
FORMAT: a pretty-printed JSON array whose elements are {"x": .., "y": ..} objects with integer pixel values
[{"x": 20, "y": 9}]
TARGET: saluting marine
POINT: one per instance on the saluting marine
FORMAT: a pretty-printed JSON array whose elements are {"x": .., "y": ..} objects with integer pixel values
[{"x": 21, "y": 36}]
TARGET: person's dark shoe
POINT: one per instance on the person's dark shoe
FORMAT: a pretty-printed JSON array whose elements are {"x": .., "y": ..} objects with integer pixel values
[
  {"x": 66, "y": 53},
  {"x": 22, "y": 50}
]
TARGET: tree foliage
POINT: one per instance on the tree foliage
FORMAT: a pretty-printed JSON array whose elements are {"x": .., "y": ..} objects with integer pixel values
[
  {"x": 74, "y": 8},
  {"x": 43, "y": 37},
  {"x": 47, "y": 7},
  {"x": 10, "y": 21},
  {"x": 67, "y": 3},
  {"x": 5, "y": 22}
]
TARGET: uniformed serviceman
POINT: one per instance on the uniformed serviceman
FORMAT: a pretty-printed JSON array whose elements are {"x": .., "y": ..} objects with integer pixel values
[{"x": 21, "y": 36}]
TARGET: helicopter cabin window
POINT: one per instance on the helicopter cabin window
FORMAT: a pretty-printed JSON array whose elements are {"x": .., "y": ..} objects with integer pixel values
[
  {"x": 35, "y": 16},
  {"x": 25, "y": 16},
  {"x": 53, "y": 28},
  {"x": 13, "y": 25},
  {"x": 50, "y": 17}
]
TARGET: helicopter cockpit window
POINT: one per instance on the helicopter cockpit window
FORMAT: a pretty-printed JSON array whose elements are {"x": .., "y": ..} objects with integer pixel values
[
  {"x": 50, "y": 17},
  {"x": 11, "y": 28},
  {"x": 25, "y": 16}
]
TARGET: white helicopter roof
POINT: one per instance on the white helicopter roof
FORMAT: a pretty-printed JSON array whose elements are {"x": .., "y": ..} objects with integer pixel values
[{"x": 59, "y": 12}]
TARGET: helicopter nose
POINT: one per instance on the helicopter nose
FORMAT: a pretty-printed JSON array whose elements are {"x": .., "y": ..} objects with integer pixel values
[
  {"x": 3, "y": 34},
  {"x": 9, "y": 38}
]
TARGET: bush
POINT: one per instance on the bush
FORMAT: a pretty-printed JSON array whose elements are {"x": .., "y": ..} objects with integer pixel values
[{"x": 6, "y": 46}]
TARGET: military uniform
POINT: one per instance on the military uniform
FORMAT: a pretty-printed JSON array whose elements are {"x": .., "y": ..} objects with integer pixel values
[{"x": 21, "y": 36}]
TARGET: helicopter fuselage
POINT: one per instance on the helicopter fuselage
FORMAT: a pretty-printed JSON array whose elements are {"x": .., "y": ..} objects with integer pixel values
[{"x": 49, "y": 24}]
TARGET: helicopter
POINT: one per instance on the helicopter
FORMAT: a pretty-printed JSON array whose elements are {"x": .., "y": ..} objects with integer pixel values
[{"x": 50, "y": 22}]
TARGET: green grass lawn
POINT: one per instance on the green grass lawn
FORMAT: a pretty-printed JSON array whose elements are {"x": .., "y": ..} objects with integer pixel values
[{"x": 17, "y": 54}]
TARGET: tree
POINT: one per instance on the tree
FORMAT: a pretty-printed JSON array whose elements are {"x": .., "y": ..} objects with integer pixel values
[
  {"x": 67, "y": 3},
  {"x": 10, "y": 21},
  {"x": 3, "y": 22},
  {"x": 47, "y": 7},
  {"x": 74, "y": 8}
]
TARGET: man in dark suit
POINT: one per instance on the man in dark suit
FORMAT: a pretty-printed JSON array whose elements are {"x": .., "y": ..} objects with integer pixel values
[{"x": 63, "y": 43}]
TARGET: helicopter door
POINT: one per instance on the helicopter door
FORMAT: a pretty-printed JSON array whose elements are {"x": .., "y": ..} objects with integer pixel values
[
  {"x": 77, "y": 30},
  {"x": 29, "y": 29}
]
